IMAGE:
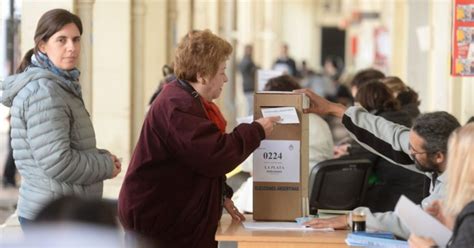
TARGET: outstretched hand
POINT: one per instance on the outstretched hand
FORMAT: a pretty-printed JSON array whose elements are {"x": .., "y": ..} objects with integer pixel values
[
  {"x": 339, "y": 222},
  {"x": 319, "y": 105}
]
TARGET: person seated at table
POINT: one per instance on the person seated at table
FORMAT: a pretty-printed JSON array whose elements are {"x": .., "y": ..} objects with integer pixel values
[
  {"x": 457, "y": 210},
  {"x": 174, "y": 189},
  {"x": 387, "y": 181},
  {"x": 421, "y": 148}
]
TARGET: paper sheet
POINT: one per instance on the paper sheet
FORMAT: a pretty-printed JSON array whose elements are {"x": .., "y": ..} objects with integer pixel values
[
  {"x": 288, "y": 114},
  {"x": 284, "y": 226},
  {"x": 421, "y": 223}
]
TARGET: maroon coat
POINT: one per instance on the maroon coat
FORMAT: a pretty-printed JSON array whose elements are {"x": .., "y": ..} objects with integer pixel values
[{"x": 173, "y": 188}]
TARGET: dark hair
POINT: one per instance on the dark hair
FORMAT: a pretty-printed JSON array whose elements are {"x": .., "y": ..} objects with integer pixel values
[
  {"x": 375, "y": 95},
  {"x": 470, "y": 120},
  {"x": 435, "y": 128},
  {"x": 74, "y": 209},
  {"x": 49, "y": 23},
  {"x": 282, "y": 83},
  {"x": 408, "y": 96},
  {"x": 364, "y": 76}
]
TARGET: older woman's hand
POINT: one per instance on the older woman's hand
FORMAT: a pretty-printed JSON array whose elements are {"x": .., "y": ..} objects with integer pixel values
[
  {"x": 232, "y": 210},
  {"x": 417, "y": 241},
  {"x": 268, "y": 123}
]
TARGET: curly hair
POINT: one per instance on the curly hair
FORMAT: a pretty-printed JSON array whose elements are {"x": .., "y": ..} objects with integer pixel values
[
  {"x": 375, "y": 95},
  {"x": 435, "y": 128},
  {"x": 200, "y": 52}
]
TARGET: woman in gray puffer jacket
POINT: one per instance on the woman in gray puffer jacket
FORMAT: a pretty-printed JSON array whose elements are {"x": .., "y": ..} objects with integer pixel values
[{"x": 52, "y": 137}]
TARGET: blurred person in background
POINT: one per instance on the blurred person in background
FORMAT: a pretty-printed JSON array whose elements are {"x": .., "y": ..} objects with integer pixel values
[
  {"x": 53, "y": 139},
  {"x": 248, "y": 69},
  {"x": 175, "y": 190},
  {"x": 285, "y": 63},
  {"x": 9, "y": 172},
  {"x": 168, "y": 77},
  {"x": 364, "y": 76},
  {"x": 387, "y": 181},
  {"x": 333, "y": 68},
  {"x": 407, "y": 97},
  {"x": 339, "y": 133},
  {"x": 70, "y": 221}
]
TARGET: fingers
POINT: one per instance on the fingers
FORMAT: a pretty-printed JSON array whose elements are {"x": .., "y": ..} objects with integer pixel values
[
  {"x": 236, "y": 215},
  {"x": 336, "y": 223},
  {"x": 274, "y": 118},
  {"x": 318, "y": 223}
]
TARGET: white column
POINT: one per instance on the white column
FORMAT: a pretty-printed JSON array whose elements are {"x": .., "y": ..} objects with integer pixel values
[
  {"x": 150, "y": 47},
  {"x": 85, "y": 12},
  {"x": 138, "y": 67},
  {"x": 112, "y": 76}
]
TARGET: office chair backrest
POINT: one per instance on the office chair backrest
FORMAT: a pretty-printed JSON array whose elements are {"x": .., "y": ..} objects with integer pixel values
[{"x": 338, "y": 184}]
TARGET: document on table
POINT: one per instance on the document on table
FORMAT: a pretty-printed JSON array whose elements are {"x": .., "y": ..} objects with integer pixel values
[
  {"x": 288, "y": 114},
  {"x": 421, "y": 223},
  {"x": 283, "y": 226}
]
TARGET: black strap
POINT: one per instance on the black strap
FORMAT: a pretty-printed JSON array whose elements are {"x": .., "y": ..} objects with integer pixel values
[
  {"x": 186, "y": 86},
  {"x": 434, "y": 177}
]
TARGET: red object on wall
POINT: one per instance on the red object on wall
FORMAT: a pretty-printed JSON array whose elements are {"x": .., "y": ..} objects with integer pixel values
[
  {"x": 354, "y": 46},
  {"x": 462, "y": 47}
]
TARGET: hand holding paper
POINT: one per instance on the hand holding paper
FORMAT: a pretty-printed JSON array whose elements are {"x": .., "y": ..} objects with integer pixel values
[
  {"x": 268, "y": 124},
  {"x": 288, "y": 114},
  {"x": 421, "y": 223}
]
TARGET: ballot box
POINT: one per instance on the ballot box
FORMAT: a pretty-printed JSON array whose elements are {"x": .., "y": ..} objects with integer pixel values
[{"x": 280, "y": 164}]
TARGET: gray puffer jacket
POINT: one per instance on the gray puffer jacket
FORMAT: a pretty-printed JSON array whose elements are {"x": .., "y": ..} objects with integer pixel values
[{"x": 53, "y": 140}]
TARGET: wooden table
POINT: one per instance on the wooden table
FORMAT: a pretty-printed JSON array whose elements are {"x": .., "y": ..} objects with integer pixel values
[{"x": 229, "y": 230}]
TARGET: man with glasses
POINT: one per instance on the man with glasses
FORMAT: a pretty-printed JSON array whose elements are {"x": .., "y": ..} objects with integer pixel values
[{"x": 421, "y": 148}]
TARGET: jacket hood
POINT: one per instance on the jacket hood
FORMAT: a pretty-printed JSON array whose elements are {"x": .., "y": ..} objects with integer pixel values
[{"x": 14, "y": 83}]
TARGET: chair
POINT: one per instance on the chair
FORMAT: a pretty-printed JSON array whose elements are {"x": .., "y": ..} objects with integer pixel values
[{"x": 338, "y": 184}]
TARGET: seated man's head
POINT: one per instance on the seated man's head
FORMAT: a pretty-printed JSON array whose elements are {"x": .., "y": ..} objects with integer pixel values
[{"x": 429, "y": 138}]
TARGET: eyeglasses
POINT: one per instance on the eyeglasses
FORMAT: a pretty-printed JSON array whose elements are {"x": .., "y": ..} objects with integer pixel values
[{"x": 414, "y": 152}]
